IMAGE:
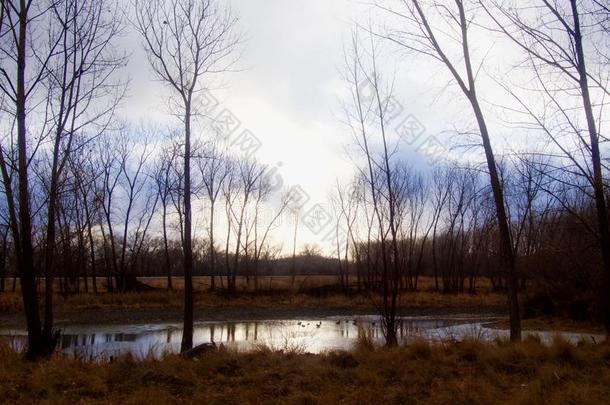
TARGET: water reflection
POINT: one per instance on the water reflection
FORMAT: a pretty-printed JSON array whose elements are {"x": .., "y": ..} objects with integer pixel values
[{"x": 311, "y": 335}]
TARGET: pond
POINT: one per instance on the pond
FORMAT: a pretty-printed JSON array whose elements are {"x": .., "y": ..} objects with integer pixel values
[{"x": 308, "y": 335}]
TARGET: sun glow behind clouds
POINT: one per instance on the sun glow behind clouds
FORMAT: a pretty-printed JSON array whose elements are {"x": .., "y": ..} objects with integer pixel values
[{"x": 288, "y": 91}]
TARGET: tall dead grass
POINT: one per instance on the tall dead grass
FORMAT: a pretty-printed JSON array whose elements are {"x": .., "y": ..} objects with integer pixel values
[{"x": 469, "y": 372}]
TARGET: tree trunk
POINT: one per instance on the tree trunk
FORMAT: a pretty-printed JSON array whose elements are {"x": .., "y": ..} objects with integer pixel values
[
  {"x": 187, "y": 334},
  {"x": 507, "y": 259},
  {"x": 212, "y": 249},
  {"x": 168, "y": 265},
  {"x": 598, "y": 180},
  {"x": 92, "y": 254},
  {"x": 25, "y": 260},
  {"x": 50, "y": 248}
]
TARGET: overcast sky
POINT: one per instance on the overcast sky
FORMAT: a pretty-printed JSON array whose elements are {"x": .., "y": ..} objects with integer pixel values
[{"x": 290, "y": 88}]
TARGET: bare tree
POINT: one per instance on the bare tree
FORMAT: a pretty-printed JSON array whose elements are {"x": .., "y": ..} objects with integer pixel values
[
  {"x": 295, "y": 211},
  {"x": 345, "y": 205},
  {"x": 19, "y": 84},
  {"x": 86, "y": 176},
  {"x": 107, "y": 184},
  {"x": 262, "y": 224},
  {"x": 125, "y": 198},
  {"x": 163, "y": 180},
  {"x": 414, "y": 200},
  {"x": 185, "y": 41},
  {"x": 134, "y": 183},
  {"x": 424, "y": 24},
  {"x": 379, "y": 169},
  {"x": 248, "y": 174},
  {"x": 229, "y": 195},
  {"x": 64, "y": 60},
  {"x": 81, "y": 76},
  {"x": 557, "y": 38},
  {"x": 213, "y": 169}
]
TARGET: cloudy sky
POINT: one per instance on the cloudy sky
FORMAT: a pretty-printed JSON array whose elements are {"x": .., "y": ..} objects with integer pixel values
[{"x": 289, "y": 91}]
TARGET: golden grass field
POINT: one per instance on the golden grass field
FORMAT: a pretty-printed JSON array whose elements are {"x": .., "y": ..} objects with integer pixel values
[{"x": 469, "y": 372}]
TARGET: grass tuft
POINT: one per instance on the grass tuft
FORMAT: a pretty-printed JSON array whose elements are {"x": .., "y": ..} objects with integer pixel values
[{"x": 468, "y": 372}]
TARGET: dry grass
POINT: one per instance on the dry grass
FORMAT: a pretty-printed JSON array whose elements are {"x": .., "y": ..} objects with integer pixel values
[
  {"x": 281, "y": 283},
  {"x": 162, "y": 299},
  {"x": 285, "y": 282},
  {"x": 278, "y": 296},
  {"x": 465, "y": 373},
  {"x": 202, "y": 283}
]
